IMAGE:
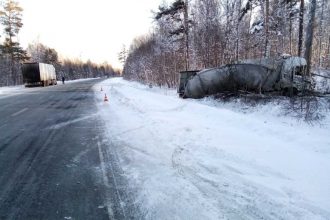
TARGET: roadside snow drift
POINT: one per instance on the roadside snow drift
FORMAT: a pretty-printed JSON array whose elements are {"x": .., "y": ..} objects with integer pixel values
[
  {"x": 189, "y": 160},
  {"x": 9, "y": 89}
]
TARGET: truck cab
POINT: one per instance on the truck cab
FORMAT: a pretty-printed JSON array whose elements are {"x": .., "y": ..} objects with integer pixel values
[
  {"x": 184, "y": 77},
  {"x": 293, "y": 75}
]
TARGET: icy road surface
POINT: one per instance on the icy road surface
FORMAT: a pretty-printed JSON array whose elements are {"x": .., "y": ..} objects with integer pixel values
[
  {"x": 54, "y": 162},
  {"x": 188, "y": 160}
]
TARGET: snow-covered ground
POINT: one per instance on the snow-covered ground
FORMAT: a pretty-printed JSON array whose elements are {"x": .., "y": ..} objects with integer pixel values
[
  {"x": 189, "y": 160},
  {"x": 322, "y": 84},
  {"x": 9, "y": 89}
]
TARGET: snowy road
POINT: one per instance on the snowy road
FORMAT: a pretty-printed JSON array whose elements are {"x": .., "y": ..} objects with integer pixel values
[
  {"x": 53, "y": 156},
  {"x": 185, "y": 159}
]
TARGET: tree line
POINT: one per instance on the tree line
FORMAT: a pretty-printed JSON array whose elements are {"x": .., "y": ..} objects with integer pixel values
[
  {"x": 69, "y": 68},
  {"x": 198, "y": 34},
  {"x": 12, "y": 55}
]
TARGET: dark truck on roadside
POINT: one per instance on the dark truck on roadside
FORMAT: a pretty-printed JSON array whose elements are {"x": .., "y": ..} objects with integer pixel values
[{"x": 38, "y": 74}]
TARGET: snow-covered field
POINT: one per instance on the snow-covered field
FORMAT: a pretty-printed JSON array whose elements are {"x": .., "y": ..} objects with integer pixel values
[{"x": 187, "y": 159}]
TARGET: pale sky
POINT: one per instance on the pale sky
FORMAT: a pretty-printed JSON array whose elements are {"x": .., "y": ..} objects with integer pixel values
[{"x": 86, "y": 29}]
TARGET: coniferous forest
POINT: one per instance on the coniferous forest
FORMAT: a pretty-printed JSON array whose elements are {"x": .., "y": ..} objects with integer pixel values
[
  {"x": 197, "y": 34},
  {"x": 12, "y": 55}
]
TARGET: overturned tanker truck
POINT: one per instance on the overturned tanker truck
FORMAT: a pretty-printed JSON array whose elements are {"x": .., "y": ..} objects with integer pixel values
[{"x": 285, "y": 74}]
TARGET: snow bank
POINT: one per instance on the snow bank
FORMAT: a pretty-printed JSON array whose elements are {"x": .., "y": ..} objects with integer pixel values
[
  {"x": 9, "y": 89},
  {"x": 187, "y": 159},
  {"x": 76, "y": 80},
  {"x": 322, "y": 84}
]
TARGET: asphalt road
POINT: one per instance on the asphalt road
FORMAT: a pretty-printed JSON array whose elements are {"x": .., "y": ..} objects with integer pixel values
[{"x": 54, "y": 160}]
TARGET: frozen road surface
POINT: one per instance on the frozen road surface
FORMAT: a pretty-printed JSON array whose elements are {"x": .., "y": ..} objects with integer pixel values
[{"x": 53, "y": 156}]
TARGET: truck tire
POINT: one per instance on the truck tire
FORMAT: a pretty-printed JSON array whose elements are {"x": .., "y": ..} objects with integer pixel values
[{"x": 290, "y": 91}]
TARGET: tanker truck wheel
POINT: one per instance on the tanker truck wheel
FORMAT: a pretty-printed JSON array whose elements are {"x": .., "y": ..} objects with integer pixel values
[{"x": 290, "y": 91}]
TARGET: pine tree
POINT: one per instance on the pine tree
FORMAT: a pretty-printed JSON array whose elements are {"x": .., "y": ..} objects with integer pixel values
[
  {"x": 11, "y": 19},
  {"x": 122, "y": 55},
  {"x": 178, "y": 7}
]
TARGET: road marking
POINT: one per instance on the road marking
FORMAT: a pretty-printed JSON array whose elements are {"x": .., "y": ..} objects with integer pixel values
[
  {"x": 19, "y": 112},
  {"x": 105, "y": 180}
]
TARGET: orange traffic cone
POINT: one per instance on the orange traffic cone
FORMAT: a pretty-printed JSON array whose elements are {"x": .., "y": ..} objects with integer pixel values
[
  {"x": 101, "y": 89},
  {"x": 105, "y": 98}
]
